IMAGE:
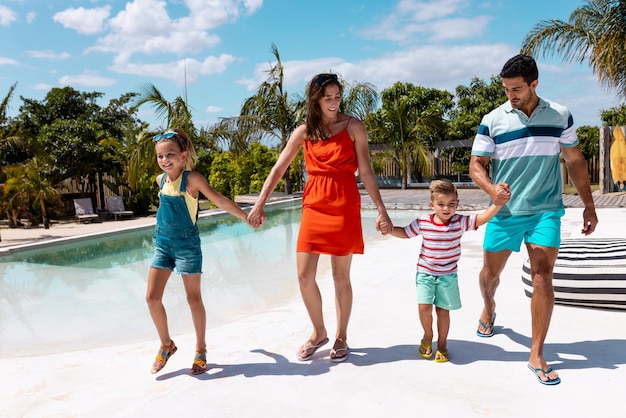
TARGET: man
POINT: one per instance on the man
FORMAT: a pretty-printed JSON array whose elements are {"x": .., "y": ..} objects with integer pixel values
[{"x": 523, "y": 140}]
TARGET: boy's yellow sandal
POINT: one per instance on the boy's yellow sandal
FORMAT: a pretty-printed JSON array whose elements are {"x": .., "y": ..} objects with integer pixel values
[{"x": 441, "y": 356}]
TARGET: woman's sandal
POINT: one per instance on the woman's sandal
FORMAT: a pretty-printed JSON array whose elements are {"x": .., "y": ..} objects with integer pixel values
[
  {"x": 199, "y": 363},
  {"x": 163, "y": 356}
]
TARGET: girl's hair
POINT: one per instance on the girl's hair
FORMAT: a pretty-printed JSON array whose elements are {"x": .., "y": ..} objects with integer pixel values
[
  {"x": 181, "y": 139},
  {"x": 315, "y": 128},
  {"x": 442, "y": 187}
]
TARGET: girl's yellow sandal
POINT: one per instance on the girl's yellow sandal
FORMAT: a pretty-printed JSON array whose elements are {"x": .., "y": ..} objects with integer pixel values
[
  {"x": 163, "y": 356},
  {"x": 199, "y": 363}
]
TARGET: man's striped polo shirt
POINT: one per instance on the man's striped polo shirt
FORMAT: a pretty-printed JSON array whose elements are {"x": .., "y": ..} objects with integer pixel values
[{"x": 525, "y": 153}]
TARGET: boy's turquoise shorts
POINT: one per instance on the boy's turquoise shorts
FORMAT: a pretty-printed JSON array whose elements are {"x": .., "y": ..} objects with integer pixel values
[
  {"x": 507, "y": 233},
  {"x": 441, "y": 291}
]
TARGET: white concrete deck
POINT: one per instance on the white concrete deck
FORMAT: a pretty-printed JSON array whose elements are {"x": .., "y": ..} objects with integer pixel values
[{"x": 254, "y": 370}]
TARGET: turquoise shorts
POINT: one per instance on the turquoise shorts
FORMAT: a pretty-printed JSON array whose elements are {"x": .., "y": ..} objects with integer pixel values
[
  {"x": 441, "y": 291},
  {"x": 507, "y": 233}
]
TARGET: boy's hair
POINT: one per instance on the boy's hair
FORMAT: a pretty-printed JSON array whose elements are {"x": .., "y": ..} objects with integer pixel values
[
  {"x": 442, "y": 187},
  {"x": 521, "y": 65}
]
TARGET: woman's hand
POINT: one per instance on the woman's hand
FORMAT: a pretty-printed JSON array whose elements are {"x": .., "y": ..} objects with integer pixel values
[
  {"x": 383, "y": 223},
  {"x": 256, "y": 217}
]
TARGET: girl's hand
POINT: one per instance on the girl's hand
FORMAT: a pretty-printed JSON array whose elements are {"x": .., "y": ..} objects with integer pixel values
[{"x": 256, "y": 217}]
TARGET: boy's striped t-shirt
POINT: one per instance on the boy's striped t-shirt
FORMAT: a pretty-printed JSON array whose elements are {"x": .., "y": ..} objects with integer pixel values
[
  {"x": 441, "y": 244},
  {"x": 525, "y": 153}
]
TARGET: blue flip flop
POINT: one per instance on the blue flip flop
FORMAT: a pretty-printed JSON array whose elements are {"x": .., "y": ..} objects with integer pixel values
[
  {"x": 487, "y": 326},
  {"x": 548, "y": 382}
]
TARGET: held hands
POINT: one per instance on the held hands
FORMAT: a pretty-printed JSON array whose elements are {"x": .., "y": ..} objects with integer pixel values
[
  {"x": 384, "y": 224},
  {"x": 256, "y": 217},
  {"x": 501, "y": 194}
]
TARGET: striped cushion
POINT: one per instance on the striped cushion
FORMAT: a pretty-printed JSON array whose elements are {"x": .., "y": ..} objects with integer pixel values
[{"x": 588, "y": 273}]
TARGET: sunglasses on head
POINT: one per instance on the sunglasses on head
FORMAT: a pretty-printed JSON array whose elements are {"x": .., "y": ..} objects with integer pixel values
[
  {"x": 166, "y": 135},
  {"x": 169, "y": 135},
  {"x": 323, "y": 78}
]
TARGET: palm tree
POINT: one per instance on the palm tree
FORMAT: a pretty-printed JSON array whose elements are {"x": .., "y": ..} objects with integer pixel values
[
  {"x": 236, "y": 133},
  {"x": 175, "y": 114},
  {"x": 5, "y": 104},
  {"x": 40, "y": 189},
  {"x": 271, "y": 111},
  {"x": 595, "y": 32},
  {"x": 407, "y": 119},
  {"x": 360, "y": 99},
  {"x": 15, "y": 193}
]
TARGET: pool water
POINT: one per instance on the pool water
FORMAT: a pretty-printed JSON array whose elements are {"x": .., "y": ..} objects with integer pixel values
[{"x": 90, "y": 293}]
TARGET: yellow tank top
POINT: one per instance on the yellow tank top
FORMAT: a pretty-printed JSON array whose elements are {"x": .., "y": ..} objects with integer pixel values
[{"x": 172, "y": 188}]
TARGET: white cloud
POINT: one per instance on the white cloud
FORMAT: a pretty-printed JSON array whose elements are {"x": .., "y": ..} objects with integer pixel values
[
  {"x": 455, "y": 65},
  {"x": 30, "y": 17},
  {"x": 41, "y": 87},
  {"x": 7, "y": 16},
  {"x": 206, "y": 15},
  {"x": 84, "y": 21},
  {"x": 48, "y": 55},
  {"x": 252, "y": 6},
  {"x": 213, "y": 109},
  {"x": 8, "y": 61},
  {"x": 86, "y": 79},
  {"x": 145, "y": 27},
  {"x": 436, "y": 21},
  {"x": 179, "y": 71},
  {"x": 421, "y": 11}
]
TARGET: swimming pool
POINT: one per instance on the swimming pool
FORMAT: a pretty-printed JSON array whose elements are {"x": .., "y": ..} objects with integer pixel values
[{"x": 91, "y": 292}]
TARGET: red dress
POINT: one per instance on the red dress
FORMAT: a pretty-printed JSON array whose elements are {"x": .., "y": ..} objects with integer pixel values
[{"x": 331, "y": 202}]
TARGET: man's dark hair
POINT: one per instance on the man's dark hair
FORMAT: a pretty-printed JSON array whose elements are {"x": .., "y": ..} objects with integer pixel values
[{"x": 521, "y": 65}]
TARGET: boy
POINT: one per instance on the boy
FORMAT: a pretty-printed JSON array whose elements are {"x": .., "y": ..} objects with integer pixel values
[{"x": 437, "y": 279}]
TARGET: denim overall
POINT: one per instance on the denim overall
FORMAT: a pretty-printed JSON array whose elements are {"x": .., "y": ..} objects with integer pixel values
[{"x": 176, "y": 237}]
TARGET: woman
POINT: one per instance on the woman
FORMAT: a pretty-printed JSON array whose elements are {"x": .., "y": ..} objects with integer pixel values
[{"x": 335, "y": 147}]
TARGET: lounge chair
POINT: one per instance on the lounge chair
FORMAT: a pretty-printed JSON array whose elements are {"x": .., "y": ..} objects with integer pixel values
[
  {"x": 115, "y": 206},
  {"x": 84, "y": 210}
]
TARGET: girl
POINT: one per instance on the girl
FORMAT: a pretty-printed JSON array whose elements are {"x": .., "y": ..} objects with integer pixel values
[{"x": 177, "y": 242}]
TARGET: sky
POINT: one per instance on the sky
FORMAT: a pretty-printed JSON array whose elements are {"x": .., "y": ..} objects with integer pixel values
[{"x": 217, "y": 52}]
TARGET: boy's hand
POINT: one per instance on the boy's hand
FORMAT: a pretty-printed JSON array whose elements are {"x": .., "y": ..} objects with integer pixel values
[
  {"x": 502, "y": 194},
  {"x": 383, "y": 224}
]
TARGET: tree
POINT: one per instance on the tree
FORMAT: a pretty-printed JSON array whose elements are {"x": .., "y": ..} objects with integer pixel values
[
  {"x": 595, "y": 32},
  {"x": 236, "y": 133},
  {"x": 360, "y": 99},
  {"x": 40, "y": 189},
  {"x": 14, "y": 194},
  {"x": 272, "y": 112},
  {"x": 142, "y": 165},
  {"x": 175, "y": 113},
  {"x": 589, "y": 139},
  {"x": 12, "y": 148},
  {"x": 615, "y": 116},
  {"x": 472, "y": 103},
  {"x": 410, "y": 119}
]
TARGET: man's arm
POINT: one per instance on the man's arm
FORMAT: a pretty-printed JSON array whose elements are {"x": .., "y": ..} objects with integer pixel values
[
  {"x": 577, "y": 171},
  {"x": 500, "y": 193}
]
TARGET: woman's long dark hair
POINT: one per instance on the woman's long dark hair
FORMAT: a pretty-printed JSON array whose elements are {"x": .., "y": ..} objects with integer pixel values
[{"x": 315, "y": 128}]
